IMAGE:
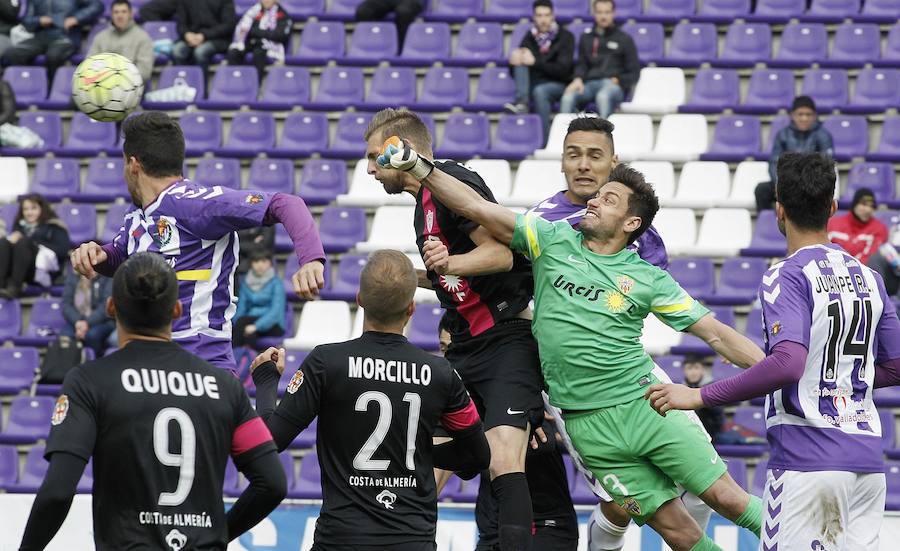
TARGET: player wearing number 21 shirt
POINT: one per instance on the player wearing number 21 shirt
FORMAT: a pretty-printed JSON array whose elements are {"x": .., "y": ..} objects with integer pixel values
[
  {"x": 378, "y": 399},
  {"x": 160, "y": 424}
]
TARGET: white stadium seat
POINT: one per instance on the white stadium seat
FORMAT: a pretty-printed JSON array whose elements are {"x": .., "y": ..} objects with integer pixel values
[
  {"x": 366, "y": 191},
  {"x": 15, "y": 178},
  {"x": 702, "y": 184},
  {"x": 321, "y": 322},
  {"x": 392, "y": 228},
  {"x": 746, "y": 177},
  {"x": 659, "y": 90},
  {"x": 422, "y": 296},
  {"x": 723, "y": 232},
  {"x": 680, "y": 138},
  {"x": 658, "y": 337},
  {"x": 357, "y": 330},
  {"x": 678, "y": 228},
  {"x": 535, "y": 181},
  {"x": 633, "y": 136},
  {"x": 557, "y": 135},
  {"x": 659, "y": 173},
  {"x": 496, "y": 174}
]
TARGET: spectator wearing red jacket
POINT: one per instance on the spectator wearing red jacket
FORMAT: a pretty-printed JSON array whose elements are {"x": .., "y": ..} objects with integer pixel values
[{"x": 858, "y": 231}]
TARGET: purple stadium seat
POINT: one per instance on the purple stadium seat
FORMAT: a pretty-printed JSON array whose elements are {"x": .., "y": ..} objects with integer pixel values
[
  {"x": 190, "y": 75},
  {"x": 33, "y": 474},
  {"x": 668, "y": 11},
  {"x": 10, "y": 318},
  {"x": 754, "y": 329},
  {"x": 301, "y": 9},
  {"x": 9, "y": 466},
  {"x": 516, "y": 137},
  {"x": 495, "y": 88},
  {"x": 341, "y": 228},
  {"x": 775, "y": 126},
  {"x": 462, "y": 491},
  {"x": 307, "y": 438},
  {"x": 887, "y": 397},
  {"x": 879, "y": 11},
  {"x": 758, "y": 485},
  {"x": 202, "y": 132},
  {"x": 465, "y": 135},
  {"x": 691, "y": 344},
  {"x": 56, "y": 178},
  {"x": 506, "y": 11},
  {"x": 230, "y": 484},
  {"x": 518, "y": 33},
  {"x": 309, "y": 483},
  {"x": 371, "y": 42},
  {"x": 284, "y": 88},
  {"x": 212, "y": 171},
  {"x": 737, "y": 468},
  {"x": 60, "y": 96},
  {"x": 45, "y": 323},
  {"x": 735, "y": 139},
  {"x": 722, "y": 11},
  {"x": 738, "y": 281},
  {"x": 322, "y": 181},
  {"x": 802, "y": 44},
  {"x": 672, "y": 365},
  {"x": 752, "y": 418},
  {"x": 768, "y": 91},
  {"x": 29, "y": 83},
  {"x": 425, "y": 44},
  {"x": 87, "y": 137},
  {"x": 877, "y": 90},
  {"x": 627, "y": 8},
  {"x": 348, "y": 142},
  {"x": 320, "y": 42},
  {"x": 829, "y": 88},
  {"x": 767, "y": 239},
  {"x": 478, "y": 43},
  {"x": 104, "y": 181},
  {"x": 272, "y": 175},
  {"x": 444, "y": 88},
  {"x": 81, "y": 219},
  {"x": 338, "y": 88},
  {"x": 722, "y": 370},
  {"x": 456, "y": 10},
  {"x": 347, "y": 283},
  {"x": 854, "y": 45},
  {"x": 18, "y": 368},
  {"x": 778, "y": 11},
  {"x": 341, "y": 10},
  {"x": 746, "y": 44},
  {"x": 232, "y": 87},
  {"x": 714, "y": 91},
  {"x": 831, "y": 11},
  {"x": 28, "y": 419},
  {"x": 692, "y": 44},
  {"x": 8, "y": 214},
  {"x": 114, "y": 218},
  {"x": 890, "y": 55},
  {"x": 252, "y": 132},
  {"x": 566, "y": 10},
  {"x": 879, "y": 177},
  {"x": 423, "y": 327},
  {"x": 161, "y": 30},
  {"x": 889, "y": 145},
  {"x": 697, "y": 276},
  {"x": 889, "y": 218},
  {"x": 391, "y": 87},
  {"x": 649, "y": 39},
  {"x": 47, "y": 125},
  {"x": 302, "y": 135},
  {"x": 850, "y": 134}
]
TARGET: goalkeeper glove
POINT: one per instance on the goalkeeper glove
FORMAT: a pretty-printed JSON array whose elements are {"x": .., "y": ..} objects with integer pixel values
[{"x": 401, "y": 156}]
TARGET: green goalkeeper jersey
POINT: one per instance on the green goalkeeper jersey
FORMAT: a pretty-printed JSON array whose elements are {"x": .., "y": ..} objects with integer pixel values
[{"x": 589, "y": 314}]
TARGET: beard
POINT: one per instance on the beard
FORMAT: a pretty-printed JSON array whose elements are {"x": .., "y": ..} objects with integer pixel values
[{"x": 393, "y": 186}]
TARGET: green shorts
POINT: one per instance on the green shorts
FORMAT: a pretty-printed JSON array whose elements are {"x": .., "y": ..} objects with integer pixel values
[{"x": 639, "y": 456}]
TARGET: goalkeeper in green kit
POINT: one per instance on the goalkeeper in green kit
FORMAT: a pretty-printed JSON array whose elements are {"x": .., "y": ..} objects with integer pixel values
[{"x": 591, "y": 297}]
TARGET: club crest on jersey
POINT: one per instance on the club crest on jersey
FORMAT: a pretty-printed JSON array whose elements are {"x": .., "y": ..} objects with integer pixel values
[
  {"x": 386, "y": 498},
  {"x": 176, "y": 540},
  {"x": 164, "y": 232},
  {"x": 776, "y": 328},
  {"x": 253, "y": 198},
  {"x": 632, "y": 506},
  {"x": 60, "y": 410},
  {"x": 295, "y": 383},
  {"x": 615, "y": 302},
  {"x": 626, "y": 284},
  {"x": 429, "y": 221}
]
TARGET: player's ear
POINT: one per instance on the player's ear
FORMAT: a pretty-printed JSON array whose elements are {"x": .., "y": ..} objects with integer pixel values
[
  {"x": 411, "y": 309},
  {"x": 110, "y": 308},
  {"x": 614, "y": 162},
  {"x": 177, "y": 310},
  {"x": 834, "y": 207},
  {"x": 358, "y": 300},
  {"x": 632, "y": 223}
]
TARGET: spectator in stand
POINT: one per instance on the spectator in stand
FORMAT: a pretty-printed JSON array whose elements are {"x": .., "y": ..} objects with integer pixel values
[
  {"x": 204, "y": 29},
  {"x": 696, "y": 375},
  {"x": 56, "y": 25},
  {"x": 264, "y": 31},
  {"x": 858, "y": 231},
  {"x": 255, "y": 242},
  {"x": 7, "y": 102},
  {"x": 34, "y": 249},
  {"x": 405, "y": 12},
  {"x": 886, "y": 261},
  {"x": 607, "y": 68},
  {"x": 9, "y": 18},
  {"x": 260, "y": 308},
  {"x": 159, "y": 10},
  {"x": 804, "y": 134},
  {"x": 84, "y": 308},
  {"x": 126, "y": 38},
  {"x": 542, "y": 64}
]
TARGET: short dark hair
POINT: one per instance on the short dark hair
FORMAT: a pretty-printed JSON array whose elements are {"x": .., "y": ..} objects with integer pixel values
[
  {"x": 803, "y": 101},
  {"x": 119, "y": 2},
  {"x": 397, "y": 122},
  {"x": 387, "y": 285},
  {"x": 47, "y": 212},
  {"x": 642, "y": 202},
  {"x": 613, "y": 2},
  {"x": 805, "y": 188},
  {"x": 541, "y": 4},
  {"x": 588, "y": 123},
  {"x": 145, "y": 290},
  {"x": 155, "y": 139}
]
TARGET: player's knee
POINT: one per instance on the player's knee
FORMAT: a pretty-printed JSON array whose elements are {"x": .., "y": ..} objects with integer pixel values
[
  {"x": 507, "y": 450},
  {"x": 614, "y": 513}
]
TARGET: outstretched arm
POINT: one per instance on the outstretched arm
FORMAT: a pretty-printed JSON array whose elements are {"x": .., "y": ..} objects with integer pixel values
[{"x": 735, "y": 347}]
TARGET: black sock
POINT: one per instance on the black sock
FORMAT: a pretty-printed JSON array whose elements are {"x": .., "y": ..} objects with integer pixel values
[{"x": 514, "y": 503}]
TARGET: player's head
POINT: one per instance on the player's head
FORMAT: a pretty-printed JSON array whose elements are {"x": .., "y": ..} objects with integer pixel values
[
  {"x": 604, "y": 13},
  {"x": 154, "y": 148},
  {"x": 589, "y": 155},
  {"x": 804, "y": 191},
  {"x": 542, "y": 15},
  {"x": 145, "y": 296},
  {"x": 803, "y": 113},
  {"x": 386, "y": 289},
  {"x": 623, "y": 208},
  {"x": 444, "y": 333},
  {"x": 120, "y": 14},
  {"x": 403, "y": 124},
  {"x": 864, "y": 204}
]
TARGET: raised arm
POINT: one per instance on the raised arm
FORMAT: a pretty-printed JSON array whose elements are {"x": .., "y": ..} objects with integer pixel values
[{"x": 735, "y": 347}]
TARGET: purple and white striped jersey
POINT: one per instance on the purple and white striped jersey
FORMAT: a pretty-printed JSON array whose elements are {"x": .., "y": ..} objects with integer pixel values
[
  {"x": 649, "y": 246},
  {"x": 822, "y": 298}
]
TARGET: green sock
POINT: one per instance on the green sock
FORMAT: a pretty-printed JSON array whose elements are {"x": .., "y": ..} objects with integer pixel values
[
  {"x": 706, "y": 544},
  {"x": 751, "y": 518}
]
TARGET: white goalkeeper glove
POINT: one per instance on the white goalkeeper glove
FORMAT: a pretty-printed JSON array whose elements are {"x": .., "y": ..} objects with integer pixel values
[{"x": 398, "y": 154}]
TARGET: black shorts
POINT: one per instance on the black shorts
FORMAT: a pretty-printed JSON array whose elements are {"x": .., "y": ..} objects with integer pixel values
[
  {"x": 502, "y": 372},
  {"x": 409, "y": 546}
]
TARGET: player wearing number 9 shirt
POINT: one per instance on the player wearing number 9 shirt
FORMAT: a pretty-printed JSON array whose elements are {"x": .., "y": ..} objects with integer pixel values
[
  {"x": 378, "y": 399},
  {"x": 160, "y": 424}
]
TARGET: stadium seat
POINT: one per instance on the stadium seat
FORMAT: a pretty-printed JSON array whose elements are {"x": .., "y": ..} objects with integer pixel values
[
  {"x": 633, "y": 136},
  {"x": 830, "y": 88},
  {"x": 628, "y": 8},
  {"x": 169, "y": 76},
  {"x": 80, "y": 219},
  {"x": 372, "y": 42},
  {"x": 425, "y": 44},
  {"x": 159, "y": 31},
  {"x": 15, "y": 179},
  {"x": 465, "y": 135},
  {"x": 702, "y": 184},
  {"x": 456, "y": 10},
  {"x": 34, "y": 471},
  {"x": 516, "y": 137},
  {"x": 356, "y": 329},
  {"x": 338, "y": 88},
  {"x": 661, "y": 174},
  {"x": 320, "y": 42},
  {"x": 753, "y": 419},
  {"x": 854, "y": 45},
  {"x": 232, "y": 86},
  {"x": 850, "y": 134},
  {"x": 56, "y": 178},
  {"x": 104, "y": 181},
  {"x": 495, "y": 89},
  {"x": 877, "y": 90},
  {"x": 659, "y": 90},
  {"x": 202, "y": 132},
  {"x": 322, "y": 180},
  {"x": 212, "y": 171},
  {"x": 390, "y": 230},
  {"x": 558, "y": 128},
  {"x": 8, "y": 211},
  {"x": 831, "y": 11},
  {"x": 778, "y": 11},
  {"x": 735, "y": 139},
  {"x": 778, "y": 122},
  {"x": 672, "y": 365},
  {"x": 27, "y": 420},
  {"x": 307, "y": 438},
  {"x": 271, "y": 175},
  {"x": 692, "y": 44},
  {"x": 29, "y": 84},
  {"x": 890, "y": 218},
  {"x": 889, "y": 145},
  {"x": 678, "y": 228},
  {"x": 321, "y": 322},
  {"x": 366, "y": 191},
  {"x": 44, "y": 325},
  {"x": 348, "y": 142},
  {"x": 658, "y": 338},
  {"x": 536, "y": 181},
  {"x": 754, "y": 326},
  {"x": 477, "y": 44},
  {"x": 879, "y": 177},
  {"x": 668, "y": 11},
  {"x": 738, "y": 281},
  {"x": 679, "y": 138},
  {"x": 802, "y": 44},
  {"x": 649, "y": 39},
  {"x": 232, "y": 480},
  {"x": 505, "y": 11},
  {"x": 697, "y": 276},
  {"x": 9, "y": 466},
  {"x": 47, "y": 125},
  {"x": 746, "y": 44},
  {"x": 768, "y": 91},
  {"x": 303, "y": 134},
  {"x": 309, "y": 483},
  {"x": 391, "y": 87},
  {"x": 566, "y": 10},
  {"x": 115, "y": 215},
  {"x": 252, "y": 132},
  {"x": 737, "y": 468},
  {"x": 341, "y": 10},
  {"x": 87, "y": 137},
  {"x": 423, "y": 327},
  {"x": 285, "y": 87},
  {"x": 714, "y": 91},
  {"x": 19, "y": 367},
  {"x": 887, "y": 397},
  {"x": 518, "y": 33},
  {"x": 444, "y": 88},
  {"x": 723, "y": 232},
  {"x": 341, "y": 228},
  {"x": 496, "y": 174},
  {"x": 462, "y": 491},
  {"x": 691, "y": 344},
  {"x": 878, "y": 11},
  {"x": 767, "y": 240},
  {"x": 60, "y": 96},
  {"x": 722, "y": 11},
  {"x": 10, "y": 318}
]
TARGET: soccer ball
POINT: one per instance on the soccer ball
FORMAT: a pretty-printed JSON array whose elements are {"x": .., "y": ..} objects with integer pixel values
[{"x": 106, "y": 87}]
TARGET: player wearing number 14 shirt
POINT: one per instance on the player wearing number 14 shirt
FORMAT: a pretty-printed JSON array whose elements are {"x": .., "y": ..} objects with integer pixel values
[{"x": 160, "y": 424}]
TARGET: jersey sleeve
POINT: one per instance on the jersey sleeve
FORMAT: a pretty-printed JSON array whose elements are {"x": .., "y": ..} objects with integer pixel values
[
  {"x": 887, "y": 335},
  {"x": 74, "y": 421},
  {"x": 786, "y": 306},
  {"x": 532, "y": 234},
  {"x": 300, "y": 403},
  {"x": 673, "y": 305},
  {"x": 222, "y": 210},
  {"x": 251, "y": 438},
  {"x": 459, "y": 414}
]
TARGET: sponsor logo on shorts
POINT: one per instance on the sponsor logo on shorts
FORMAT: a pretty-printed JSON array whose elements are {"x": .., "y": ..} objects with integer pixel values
[
  {"x": 511, "y": 411},
  {"x": 60, "y": 410},
  {"x": 296, "y": 381},
  {"x": 386, "y": 498},
  {"x": 632, "y": 506},
  {"x": 817, "y": 545}
]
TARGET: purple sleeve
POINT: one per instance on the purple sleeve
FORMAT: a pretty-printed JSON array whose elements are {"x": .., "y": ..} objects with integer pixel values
[
  {"x": 887, "y": 335},
  {"x": 211, "y": 216},
  {"x": 784, "y": 366},
  {"x": 887, "y": 373},
  {"x": 786, "y": 305},
  {"x": 114, "y": 257},
  {"x": 652, "y": 249},
  {"x": 293, "y": 214}
]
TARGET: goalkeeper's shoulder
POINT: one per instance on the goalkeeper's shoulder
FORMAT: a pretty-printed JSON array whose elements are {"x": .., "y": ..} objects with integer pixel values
[{"x": 465, "y": 175}]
